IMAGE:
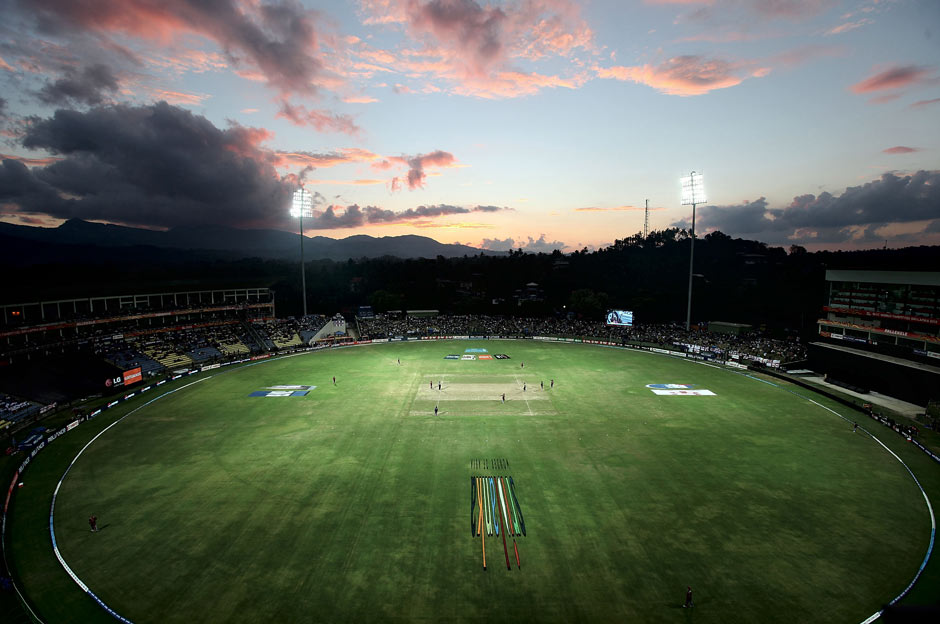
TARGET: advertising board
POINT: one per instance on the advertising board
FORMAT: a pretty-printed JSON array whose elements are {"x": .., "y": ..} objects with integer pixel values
[{"x": 132, "y": 376}]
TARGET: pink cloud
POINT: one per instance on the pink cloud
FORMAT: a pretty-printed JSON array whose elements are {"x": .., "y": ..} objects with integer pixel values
[
  {"x": 900, "y": 149},
  {"x": 846, "y": 27},
  {"x": 884, "y": 98},
  {"x": 795, "y": 9},
  {"x": 323, "y": 121},
  {"x": 920, "y": 103},
  {"x": 803, "y": 54},
  {"x": 707, "y": 2},
  {"x": 474, "y": 45},
  {"x": 416, "y": 166},
  {"x": 509, "y": 84},
  {"x": 684, "y": 75},
  {"x": 179, "y": 97},
  {"x": 892, "y": 78},
  {"x": 5, "y": 66},
  {"x": 360, "y": 99}
]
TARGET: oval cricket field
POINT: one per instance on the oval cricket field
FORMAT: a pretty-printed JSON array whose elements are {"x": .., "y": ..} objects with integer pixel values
[{"x": 270, "y": 493}]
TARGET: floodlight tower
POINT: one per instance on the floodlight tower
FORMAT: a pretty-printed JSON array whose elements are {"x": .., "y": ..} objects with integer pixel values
[
  {"x": 693, "y": 192},
  {"x": 646, "y": 221},
  {"x": 302, "y": 204}
]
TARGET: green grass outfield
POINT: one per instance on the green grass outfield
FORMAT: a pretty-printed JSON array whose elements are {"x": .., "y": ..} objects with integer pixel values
[{"x": 352, "y": 504}]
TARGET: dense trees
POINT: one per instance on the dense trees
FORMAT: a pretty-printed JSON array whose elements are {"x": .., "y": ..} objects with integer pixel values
[{"x": 736, "y": 280}]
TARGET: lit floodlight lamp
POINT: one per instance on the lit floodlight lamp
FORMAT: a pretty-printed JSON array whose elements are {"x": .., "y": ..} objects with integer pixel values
[
  {"x": 301, "y": 204},
  {"x": 693, "y": 192},
  {"x": 693, "y": 189}
]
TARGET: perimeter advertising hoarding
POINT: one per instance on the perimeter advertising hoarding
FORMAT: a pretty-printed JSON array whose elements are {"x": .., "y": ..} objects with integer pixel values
[
  {"x": 132, "y": 376},
  {"x": 620, "y": 318}
]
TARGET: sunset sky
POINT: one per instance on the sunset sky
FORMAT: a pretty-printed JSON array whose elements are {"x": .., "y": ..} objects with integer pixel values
[{"x": 534, "y": 124}]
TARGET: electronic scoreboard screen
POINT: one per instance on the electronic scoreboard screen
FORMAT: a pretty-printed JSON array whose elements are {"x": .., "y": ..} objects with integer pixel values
[{"x": 620, "y": 318}]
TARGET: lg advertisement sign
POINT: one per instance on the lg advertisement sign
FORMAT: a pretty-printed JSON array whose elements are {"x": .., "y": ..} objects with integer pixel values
[{"x": 127, "y": 378}]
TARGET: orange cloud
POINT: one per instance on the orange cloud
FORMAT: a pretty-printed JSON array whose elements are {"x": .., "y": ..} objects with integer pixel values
[
  {"x": 362, "y": 182},
  {"x": 683, "y": 75},
  {"x": 611, "y": 208},
  {"x": 320, "y": 161},
  {"x": 32, "y": 162}
]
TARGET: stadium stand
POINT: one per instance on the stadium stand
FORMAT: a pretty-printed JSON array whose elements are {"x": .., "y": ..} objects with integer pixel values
[
  {"x": 90, "y": 340},
  {"x": 881, "y": 332},
  {"x": 752, "y": 345}
]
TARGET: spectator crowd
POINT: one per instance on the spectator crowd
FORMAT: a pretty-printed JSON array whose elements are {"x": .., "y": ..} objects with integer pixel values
[{"x": 664, "y": 335}]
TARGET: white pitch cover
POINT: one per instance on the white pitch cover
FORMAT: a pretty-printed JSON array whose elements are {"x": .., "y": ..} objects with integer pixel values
[{"x": 683, "y": 392}]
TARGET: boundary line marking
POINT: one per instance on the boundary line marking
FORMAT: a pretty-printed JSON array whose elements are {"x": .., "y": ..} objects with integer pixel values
[{"x": 84, "y": 587}]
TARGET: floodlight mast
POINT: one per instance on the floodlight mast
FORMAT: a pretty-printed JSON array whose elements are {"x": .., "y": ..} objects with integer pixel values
[
  {"x": 301, "y": 203},
  {"x": 693, "y": 192}
]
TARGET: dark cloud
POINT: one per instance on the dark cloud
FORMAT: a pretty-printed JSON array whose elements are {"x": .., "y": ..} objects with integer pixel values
[
  {"x": 860, "y": 211},
  {"x": 747, "y": 218},
  {"x": 278, "y": 38},
  {"x": 155, "y": 165},
  {"x": 88, "y": 86},
  {"x": 355, "y": 216}
]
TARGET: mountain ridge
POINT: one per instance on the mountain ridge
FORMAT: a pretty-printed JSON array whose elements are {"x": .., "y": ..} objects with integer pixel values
[{"x": 227, "y": 242}]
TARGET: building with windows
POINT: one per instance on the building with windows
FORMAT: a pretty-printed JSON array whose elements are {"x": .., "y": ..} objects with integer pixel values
[
  {"x": 881, "y": 331},
  {"x": 884, "y": 308}
]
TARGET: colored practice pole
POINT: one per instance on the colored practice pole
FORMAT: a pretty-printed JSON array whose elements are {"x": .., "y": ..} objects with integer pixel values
[
  {"x": 473, "y": 497},
  {"x": 483, "y": 536},
  {"x": 492, "y": 489},
  {"x": 480, "y": 517},
  {"x": 505, "y": 509},
  {"x": 512, "y": 490},
  {"x": 508, "y": 502},
  {"x": 518, "y": 563},
  {"x": 486, "y": 506},
  {"x": 505, "y": 548}
]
